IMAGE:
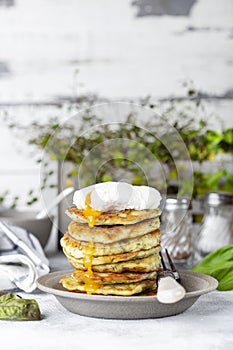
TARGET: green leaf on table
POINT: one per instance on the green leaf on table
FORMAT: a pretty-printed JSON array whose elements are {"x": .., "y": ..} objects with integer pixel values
[
  {"x": 13, "y": 307},
  {"x": 218, "y": 264}
]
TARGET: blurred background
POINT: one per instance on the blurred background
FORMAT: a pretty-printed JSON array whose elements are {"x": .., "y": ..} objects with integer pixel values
[{"x": 56, "y": 55}]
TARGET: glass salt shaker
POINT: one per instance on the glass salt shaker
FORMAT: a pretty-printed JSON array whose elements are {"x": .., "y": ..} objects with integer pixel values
[
  {"x": 176, "y": 229},
  {"x": 217, "y": 229}
]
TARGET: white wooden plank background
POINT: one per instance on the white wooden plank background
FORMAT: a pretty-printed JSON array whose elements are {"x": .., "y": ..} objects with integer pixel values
[{"x": 66, "y": 48}]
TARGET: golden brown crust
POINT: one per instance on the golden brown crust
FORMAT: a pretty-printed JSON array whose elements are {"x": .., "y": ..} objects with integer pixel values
[
  {"x": 148, "y": 264},
  {"x": 111, "y": 277},
  {"x": 78, "y": 248},
  {"x": 115, "y": 258},
  {"x": 124, "y": 289},
  {"x": 110, "y": 234},
  {"x": 124, "y": 217}
]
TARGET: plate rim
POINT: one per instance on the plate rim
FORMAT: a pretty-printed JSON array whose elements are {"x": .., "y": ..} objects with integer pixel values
[{"x": 41, "y": 284}]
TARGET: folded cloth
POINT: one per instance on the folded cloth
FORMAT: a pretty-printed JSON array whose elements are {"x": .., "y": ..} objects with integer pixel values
[{"x": 22, "y": 259}]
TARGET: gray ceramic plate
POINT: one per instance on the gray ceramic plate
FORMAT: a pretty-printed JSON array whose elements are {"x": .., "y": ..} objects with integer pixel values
[{"x": 134, "y": 307}]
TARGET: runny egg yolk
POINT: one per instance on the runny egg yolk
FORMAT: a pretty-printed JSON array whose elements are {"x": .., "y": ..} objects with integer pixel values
[
  {"x": 90, "y": 213},
  {"x": 89, "y": 284}
]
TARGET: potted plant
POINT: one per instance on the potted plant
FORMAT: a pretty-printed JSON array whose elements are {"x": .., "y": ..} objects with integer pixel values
[{"x": 97, "y": 151}]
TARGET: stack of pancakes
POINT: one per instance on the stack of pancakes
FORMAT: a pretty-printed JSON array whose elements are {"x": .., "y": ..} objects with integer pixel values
[{"x": 116, "y": 253}]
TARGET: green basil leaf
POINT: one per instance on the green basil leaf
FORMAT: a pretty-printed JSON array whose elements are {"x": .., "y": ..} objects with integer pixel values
[
  {"x": 218, "y": 264},
  {"x": 13, "y": 307}
]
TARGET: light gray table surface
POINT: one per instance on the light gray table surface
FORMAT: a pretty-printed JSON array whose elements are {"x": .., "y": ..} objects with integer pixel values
[{"x": 208, "y": 324}]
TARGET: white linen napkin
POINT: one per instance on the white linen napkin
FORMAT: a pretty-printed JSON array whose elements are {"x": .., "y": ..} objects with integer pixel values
[{"x": 22, "y": 259}]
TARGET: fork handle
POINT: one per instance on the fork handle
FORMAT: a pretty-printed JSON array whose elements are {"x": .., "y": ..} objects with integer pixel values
[{"x": 169, "y": 290}]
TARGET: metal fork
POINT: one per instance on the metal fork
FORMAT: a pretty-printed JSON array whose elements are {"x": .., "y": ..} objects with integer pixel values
[
  {"x": 172, "y": 266},
  {"x": 169, "y": 288}
]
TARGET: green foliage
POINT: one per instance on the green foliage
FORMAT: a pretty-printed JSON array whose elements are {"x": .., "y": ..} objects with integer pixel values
[
  {"x": 221, "y": 180},
  {"x": 218, "y": 264},
  {"x": 102, "y": 149}
]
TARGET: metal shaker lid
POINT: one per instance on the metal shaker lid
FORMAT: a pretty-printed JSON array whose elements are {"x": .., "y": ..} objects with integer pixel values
[
  {"x": 177, "y": 203},
  {"x": 218, "y": 198}
]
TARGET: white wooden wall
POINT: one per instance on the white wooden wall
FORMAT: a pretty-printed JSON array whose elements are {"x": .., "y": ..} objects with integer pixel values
[{"x": 55, "y": 48}]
